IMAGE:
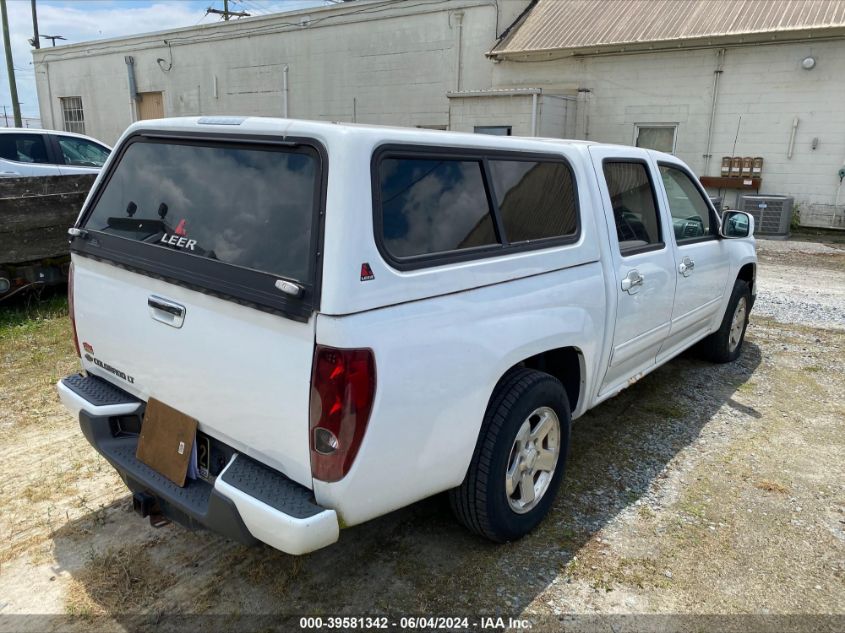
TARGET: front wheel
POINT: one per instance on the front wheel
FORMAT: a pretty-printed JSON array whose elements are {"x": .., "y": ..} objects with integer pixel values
[
  {"x": 725, "y": 344},
  {"x": 519, "y": 459}
]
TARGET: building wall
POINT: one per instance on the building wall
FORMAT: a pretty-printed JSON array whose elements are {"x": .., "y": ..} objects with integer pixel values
[
  {"x": 763, "y": 84},
  {"x": 557, "y": 116},
  {"x": 504, "y": 110},
  {"x": 367, "y": 62}
]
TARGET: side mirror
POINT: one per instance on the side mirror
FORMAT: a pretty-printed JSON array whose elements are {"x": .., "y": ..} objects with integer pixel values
[{"x": 737, "y": 224}]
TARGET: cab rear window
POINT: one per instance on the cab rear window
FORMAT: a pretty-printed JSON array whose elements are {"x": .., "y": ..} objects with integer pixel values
[{"x": 249, "y": 206}]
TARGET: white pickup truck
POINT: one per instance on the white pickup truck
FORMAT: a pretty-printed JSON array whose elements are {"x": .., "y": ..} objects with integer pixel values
[{"x": 359, "y": 317}]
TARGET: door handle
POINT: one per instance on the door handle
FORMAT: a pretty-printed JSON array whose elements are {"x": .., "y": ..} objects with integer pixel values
[
  {"x": 686, "y": 266},
  {"x": 632, "y": 282},
  {"x": 165, "y": 311}
]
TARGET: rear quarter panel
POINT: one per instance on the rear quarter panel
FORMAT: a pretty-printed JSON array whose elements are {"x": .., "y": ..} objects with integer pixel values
[{"x": 437, "y": 362}]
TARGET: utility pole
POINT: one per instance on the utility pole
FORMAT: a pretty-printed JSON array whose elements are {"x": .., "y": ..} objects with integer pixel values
[
  {"x": 36, "y": 43},
  {"x": 226, "y": 13},
  {"x": 10, "y": 66}
]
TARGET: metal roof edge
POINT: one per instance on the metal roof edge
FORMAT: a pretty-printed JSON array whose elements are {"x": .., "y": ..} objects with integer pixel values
[{"x": 709, "y": 41}]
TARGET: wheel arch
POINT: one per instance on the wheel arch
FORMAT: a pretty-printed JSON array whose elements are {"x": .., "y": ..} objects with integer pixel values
[
  {"x": 567, "y": 364},
  {"x": 748, "y": 274}
]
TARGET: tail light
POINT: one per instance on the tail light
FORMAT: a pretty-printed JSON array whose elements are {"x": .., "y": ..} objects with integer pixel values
[
  {"x": 71, "y": 311},
  {"x": 343, "y": 386}
]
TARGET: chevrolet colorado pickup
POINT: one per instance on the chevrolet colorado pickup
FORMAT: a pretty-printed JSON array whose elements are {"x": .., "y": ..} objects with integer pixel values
[{"x": 359, "y": 317}]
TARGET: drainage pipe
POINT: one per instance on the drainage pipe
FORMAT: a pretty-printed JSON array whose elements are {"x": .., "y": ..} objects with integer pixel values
[
  {"x": 459, "y": 28},
  {"x": 285, "y": 91},
  {"x": 717, "y": 74},
  {"x": 792, "y": 138}
]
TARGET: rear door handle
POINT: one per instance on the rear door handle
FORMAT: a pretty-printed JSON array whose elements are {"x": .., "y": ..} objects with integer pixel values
[
  {"x": 632, "y": 282},
  {"x": 166, "y": 311}
]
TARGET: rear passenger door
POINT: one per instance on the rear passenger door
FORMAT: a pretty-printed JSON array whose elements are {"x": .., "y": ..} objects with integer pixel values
[
  {"x": 25, "y": 154},
  {"x": 79, "y": 155},
  {"x": 702, "y": 266},
  {"x": 642, "y": 260}
]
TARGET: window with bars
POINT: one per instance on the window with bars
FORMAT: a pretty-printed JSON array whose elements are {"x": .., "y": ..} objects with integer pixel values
[{"x": 72, "y": 114}]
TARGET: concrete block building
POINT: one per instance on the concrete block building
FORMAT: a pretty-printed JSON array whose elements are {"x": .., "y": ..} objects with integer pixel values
[{"x": 703, "y": 79}]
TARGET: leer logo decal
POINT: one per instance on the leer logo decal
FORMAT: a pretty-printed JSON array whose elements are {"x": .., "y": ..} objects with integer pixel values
[{"x": 178, "y": 241}]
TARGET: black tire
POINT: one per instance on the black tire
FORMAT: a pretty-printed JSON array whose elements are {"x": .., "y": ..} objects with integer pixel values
[
  {"x": 481, "y": 501},
  {"x": 718, "y": 347}
]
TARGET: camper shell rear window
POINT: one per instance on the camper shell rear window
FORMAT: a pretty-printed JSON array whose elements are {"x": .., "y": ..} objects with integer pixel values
[{"x": 230, "y": 217}]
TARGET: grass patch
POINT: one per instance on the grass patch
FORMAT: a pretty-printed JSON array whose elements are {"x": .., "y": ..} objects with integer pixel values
[
  {"x": 771, "y": 486},
  {"x": 665, "y": 410},
  {"x": 119, "y": 580},
  {"x": 36, "y": 350},
  {"x": 24, "y": 316}
]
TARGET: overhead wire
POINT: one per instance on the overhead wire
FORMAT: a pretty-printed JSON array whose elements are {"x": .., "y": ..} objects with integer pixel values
[{"x": 264, "y": 29}]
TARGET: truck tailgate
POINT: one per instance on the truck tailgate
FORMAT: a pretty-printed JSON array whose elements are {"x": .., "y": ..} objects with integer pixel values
[{"x": 243, "y": 373}]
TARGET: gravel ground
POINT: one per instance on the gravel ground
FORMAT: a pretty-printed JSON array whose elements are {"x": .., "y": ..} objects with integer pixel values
[
  {"x": 801, "y": 282},
  {"x": 701, "y": 489}
]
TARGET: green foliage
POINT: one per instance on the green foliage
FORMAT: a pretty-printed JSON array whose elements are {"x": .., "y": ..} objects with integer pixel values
[{"x": 19, "y": 317}]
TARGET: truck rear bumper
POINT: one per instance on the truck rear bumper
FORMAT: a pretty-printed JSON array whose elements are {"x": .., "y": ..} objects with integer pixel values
[{"x": 247, "y": 502}]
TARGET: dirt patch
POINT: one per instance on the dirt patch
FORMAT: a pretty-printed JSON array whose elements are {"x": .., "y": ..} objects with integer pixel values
[{"x": 701, "y": 489}]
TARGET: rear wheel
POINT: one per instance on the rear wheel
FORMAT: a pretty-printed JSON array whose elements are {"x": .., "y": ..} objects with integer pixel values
[
  {"x": 519, "y": 459},
  {"x": 725, "y": 345}
]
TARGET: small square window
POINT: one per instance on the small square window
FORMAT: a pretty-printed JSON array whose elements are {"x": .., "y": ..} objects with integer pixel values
[{"x": 660, "y": 137}]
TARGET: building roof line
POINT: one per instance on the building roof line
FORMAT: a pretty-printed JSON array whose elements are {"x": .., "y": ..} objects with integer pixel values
[
  {"x": 252, "y": 26},
  {"x": 584, "y": 25}
]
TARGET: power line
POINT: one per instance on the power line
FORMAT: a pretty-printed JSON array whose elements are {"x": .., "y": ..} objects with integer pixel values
[
  {"x": 261, "y": 29},
  {"x": 226, "y": 13},
  {"x": 252, "y": 6}
]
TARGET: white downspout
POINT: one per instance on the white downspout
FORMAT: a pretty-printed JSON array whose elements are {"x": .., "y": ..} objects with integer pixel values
[
  {"x": 459, "y": 27},
  {"x": 792, "y": 138},
  {"x": 285, "y": 91},
  {"x": 49, "y": 97},
  {"x": 534, "y": 114},
  {"x": 720, "y": 58}
]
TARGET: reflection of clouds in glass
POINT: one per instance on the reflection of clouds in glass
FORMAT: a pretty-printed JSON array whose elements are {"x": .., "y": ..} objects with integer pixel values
[
  {"x": 250, "y": 207},
  {"x": 536, "y": 199},
  {"x": 507, "y": 174},
  {"x": 432, "y": 206}
]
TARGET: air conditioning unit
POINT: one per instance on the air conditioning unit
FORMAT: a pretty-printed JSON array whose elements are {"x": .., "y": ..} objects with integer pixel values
[
  {"x": 772, "y": 214},
  {"x": 717, "y": 203}
]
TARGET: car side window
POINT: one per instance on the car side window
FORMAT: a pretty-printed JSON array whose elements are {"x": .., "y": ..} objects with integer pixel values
[
  {"x": 24, "y": 148},
  {"x": 82, "y": 153},
  {"x": 536, "y": 199},
  {"x": 634, "y": 205},
  {"x": 434, "y": 205},
  {"x": 691, "y": 219}
]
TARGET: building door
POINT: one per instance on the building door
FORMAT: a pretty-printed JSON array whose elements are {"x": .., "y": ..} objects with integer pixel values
[{"x": 150, "y": 106}]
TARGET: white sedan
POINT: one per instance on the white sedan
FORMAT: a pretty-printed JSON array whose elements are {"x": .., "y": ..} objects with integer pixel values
[{"x": 34, "y": 152}]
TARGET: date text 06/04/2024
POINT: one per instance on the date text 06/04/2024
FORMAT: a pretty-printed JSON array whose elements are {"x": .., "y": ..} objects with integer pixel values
[{"x": 412, "y": 622}]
